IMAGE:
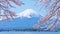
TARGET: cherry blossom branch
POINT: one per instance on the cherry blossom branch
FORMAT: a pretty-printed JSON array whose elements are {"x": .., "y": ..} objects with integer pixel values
[{"x": 48, "y": 16}]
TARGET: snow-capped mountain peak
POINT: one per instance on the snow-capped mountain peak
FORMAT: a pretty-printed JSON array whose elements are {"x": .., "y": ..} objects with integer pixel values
[{"x": 27, "y": 13}]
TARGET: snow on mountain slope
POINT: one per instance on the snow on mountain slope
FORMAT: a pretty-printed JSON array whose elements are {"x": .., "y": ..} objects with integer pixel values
[{"x": 28, "y": 13}]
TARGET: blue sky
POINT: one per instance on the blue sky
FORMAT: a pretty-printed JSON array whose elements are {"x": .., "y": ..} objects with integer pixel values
[{"x": 30, "y": 4}]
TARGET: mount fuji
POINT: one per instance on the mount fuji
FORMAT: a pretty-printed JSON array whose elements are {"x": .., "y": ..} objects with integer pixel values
[{"x": 23, "y": 20}]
